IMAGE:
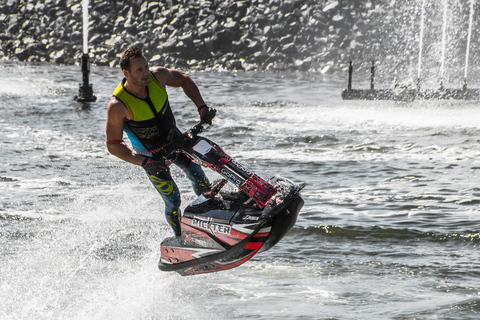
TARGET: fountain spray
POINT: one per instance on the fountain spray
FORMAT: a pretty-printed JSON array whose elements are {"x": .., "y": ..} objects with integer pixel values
[
  {"x": 444, "y": 42},
  {"x": 420, "y": 45},
  {"x": 85, "y": 91},
  {"x": 469, "y": 36}
]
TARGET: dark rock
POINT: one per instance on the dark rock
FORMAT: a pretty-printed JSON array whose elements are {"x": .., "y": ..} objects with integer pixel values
[
  {"x": 230, "y": 34},
  {"x": 168, "y": 46},
  {"x": 289, "y": 49},
  {"x": 287, "y": 6},
  {"x": 30, "y": 49},
  {"x": 4, "y": 37},
  {"x": 58, "y": 56},
  {"x": 222, "y": 40},
  {"x": 234, "y": 65}
]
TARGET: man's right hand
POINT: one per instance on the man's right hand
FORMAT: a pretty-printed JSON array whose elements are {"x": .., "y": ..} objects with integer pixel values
[
  {"x": 207, "y": 114},
  {"x": 154, "y": 167}
]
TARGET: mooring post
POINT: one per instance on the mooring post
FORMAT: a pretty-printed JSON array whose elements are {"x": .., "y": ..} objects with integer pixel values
[
  {"x": 85, "y": 90},
  {"x": 372, "y": 76},
  {"x": 85, "y": 68},
  {"x": 350, "y": 72}
]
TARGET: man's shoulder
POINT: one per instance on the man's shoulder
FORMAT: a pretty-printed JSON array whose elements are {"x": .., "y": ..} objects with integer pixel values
[
  {"x": 160, "y": 73},
  {"x": 115, "y": 105},
  {"x": 115, "y": 101},
  {"x": 158, "y": 69},
  {"x": 117, "y": 110}
]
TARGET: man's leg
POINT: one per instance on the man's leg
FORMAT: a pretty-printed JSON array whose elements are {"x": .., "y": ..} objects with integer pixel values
[
  {"x": 194, "y": 173},
  {"x": 171, "y": 196}
]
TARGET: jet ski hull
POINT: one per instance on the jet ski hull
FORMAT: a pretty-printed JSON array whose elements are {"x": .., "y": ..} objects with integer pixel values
[{"x": 226, "y": 231}]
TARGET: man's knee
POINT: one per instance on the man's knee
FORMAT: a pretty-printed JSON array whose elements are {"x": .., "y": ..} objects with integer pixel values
[
  {"x": 165, "y": 187},
  {"x": 199, "y": 179}
]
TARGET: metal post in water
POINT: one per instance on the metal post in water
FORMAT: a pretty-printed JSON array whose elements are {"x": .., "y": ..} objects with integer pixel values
[
  {"x": 372, "y": 76},
  {"x": 350, "y": 72},
  {"x": 85, "y": 91}
]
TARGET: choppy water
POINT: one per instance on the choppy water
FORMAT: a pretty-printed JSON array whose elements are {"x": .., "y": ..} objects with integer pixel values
[{"x": 390, "y": 227}]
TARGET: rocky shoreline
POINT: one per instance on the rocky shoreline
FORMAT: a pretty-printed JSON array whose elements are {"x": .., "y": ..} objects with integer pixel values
[{"x": 305, "y": 35}]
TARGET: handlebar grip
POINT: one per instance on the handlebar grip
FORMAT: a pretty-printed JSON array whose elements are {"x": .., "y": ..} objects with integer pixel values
[{"x": 196, "y": 129}]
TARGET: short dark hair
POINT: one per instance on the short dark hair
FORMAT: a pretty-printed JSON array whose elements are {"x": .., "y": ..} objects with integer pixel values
[{"x": 129, "y": 54}]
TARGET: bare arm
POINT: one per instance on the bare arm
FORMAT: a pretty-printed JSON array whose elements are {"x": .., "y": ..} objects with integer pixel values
[
  {"x": 117, "y": 113},
  {"x": 175, "y": 78}
]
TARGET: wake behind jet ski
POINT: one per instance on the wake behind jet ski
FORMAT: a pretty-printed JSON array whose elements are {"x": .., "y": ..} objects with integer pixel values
[{"x": 228, "y": 225}]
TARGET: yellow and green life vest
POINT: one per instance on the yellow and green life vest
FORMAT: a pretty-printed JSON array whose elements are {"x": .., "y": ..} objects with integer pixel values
[{"x": 152, "y": 122}]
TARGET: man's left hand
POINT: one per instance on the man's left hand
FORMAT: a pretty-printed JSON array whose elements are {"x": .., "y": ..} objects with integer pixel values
[{"x": 154, "y": 167}]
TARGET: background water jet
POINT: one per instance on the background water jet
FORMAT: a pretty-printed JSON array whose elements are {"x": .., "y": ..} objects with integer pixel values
[
  {"x": 420, "y": 43},
  {"x": 448, "y": 37},
  {"x": 469, "y": 38},
  {"x": 444, "y": 42}
]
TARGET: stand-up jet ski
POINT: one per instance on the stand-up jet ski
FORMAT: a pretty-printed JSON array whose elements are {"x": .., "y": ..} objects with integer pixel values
[{"x": 228, "y": 225}]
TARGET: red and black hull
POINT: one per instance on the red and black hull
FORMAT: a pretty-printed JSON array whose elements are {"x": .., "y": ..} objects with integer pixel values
[{"x": 223, "y": 232}]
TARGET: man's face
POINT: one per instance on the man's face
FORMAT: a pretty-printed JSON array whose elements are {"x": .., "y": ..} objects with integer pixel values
[{"x": 138, "y": 73}]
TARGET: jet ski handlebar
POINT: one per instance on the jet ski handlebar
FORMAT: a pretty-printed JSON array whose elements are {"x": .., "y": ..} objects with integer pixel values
[
  {"x": 196, "y": 129},
  {"x": 209, "y": 154},
  {"x": 185, "y": 139}
]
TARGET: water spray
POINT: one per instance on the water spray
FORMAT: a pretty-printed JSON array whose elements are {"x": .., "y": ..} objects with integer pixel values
[
  {"x": 469, "y": 36},
  {"x": 407, "y": 93},
  {"x": 444, "y": 42},
  {"x": 420, "y": 45},
  {"x": 85, "y": 91}
]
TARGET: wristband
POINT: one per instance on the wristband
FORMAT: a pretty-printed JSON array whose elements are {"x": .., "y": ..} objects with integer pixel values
[{"x": 114, "y": 142}]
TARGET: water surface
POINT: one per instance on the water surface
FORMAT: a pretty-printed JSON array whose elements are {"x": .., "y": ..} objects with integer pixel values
[{"x": 389, "y": 230}]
